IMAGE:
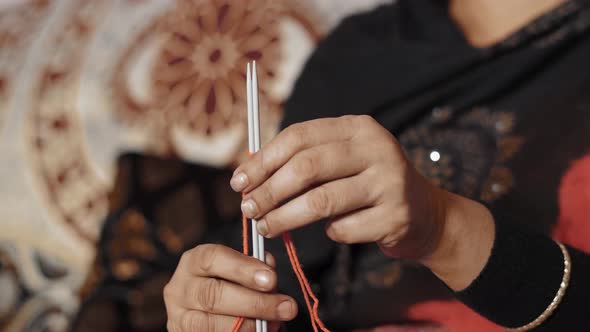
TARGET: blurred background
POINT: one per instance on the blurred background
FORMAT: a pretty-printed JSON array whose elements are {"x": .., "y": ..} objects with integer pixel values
[{"x": 119, "y": 123}]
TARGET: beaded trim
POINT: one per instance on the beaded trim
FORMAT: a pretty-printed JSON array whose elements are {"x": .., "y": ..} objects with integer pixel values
[{"x": 567, "y": 270}]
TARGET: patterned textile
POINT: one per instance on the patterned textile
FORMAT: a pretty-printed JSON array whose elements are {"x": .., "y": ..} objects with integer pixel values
[
  {"x": 82, "y": 81},
  {"x": 159, "y": 208}
]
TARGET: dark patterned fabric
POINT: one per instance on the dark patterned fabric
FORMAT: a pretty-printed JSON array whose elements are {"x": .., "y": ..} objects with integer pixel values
[{"x": 159, "y": 209}]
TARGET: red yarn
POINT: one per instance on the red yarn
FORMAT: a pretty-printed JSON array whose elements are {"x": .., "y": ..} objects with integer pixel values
[
  {"x": 240, "y": 320},
  {"x": 316, "y": 322},
  {"x": 304, "y": 283}
]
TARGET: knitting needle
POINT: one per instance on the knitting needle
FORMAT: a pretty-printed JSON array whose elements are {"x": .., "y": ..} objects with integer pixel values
[
  {"x": 256, "y": 119},
  {"x": 253, "y": 131},
  {"x": 249, "y": 102},
  {"x": 255, "y": 250}
]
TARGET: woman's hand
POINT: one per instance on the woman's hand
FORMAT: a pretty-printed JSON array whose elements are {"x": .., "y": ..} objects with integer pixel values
[
  {"x": 213, "y": 285},
  {"x": 349, "y": 169},
  {"x": 352, "y": 171}
]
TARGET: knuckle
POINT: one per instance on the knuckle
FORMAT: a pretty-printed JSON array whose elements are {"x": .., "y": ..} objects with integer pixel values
[
  {"x": 366, "y": 125},
  {"x": 373, "y": 173},
  {"x": 268, "y": 195},
  {"x": 185, "y": 258},
  {"x": 351, "y": 121},
  {"x": 305, "y": 166},
  {"x": 319, "y": 202},
  {"x": 347, "y": 149},
  {"x": 273, "y": 223},
  {"x": 205, "y": 256},
  {"x": 168, "y": 292},
  {"x": 264, "y": 163},
  {"x": 297, "y": 132},
  {"x": 373, "y": 186},
  {"x": 348, "y": 117},
  {"x": 259, "y": 306},
  {"x": 209, "y": 294},
  {"x": 366, "y": 120}
]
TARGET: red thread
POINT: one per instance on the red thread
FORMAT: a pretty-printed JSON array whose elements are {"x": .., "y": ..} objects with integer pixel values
[
  {"x": 238, "y": 323},
  {"x": 304, "y": 283},
  {"x": 316, "y": 322}
]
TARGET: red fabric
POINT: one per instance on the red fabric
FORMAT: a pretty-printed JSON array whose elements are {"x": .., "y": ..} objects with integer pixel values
[{"x": 573, "y": 225}]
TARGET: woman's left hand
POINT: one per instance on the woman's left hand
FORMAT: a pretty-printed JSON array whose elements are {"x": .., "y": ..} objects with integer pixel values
[{"x": 351, "y": 171}]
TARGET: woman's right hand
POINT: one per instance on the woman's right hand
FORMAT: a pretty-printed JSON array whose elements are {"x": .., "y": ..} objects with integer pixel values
[{"x": 214, "y": 284}]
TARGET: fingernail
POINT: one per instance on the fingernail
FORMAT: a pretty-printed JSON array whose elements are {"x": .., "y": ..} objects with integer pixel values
[
  {"x": 239, "y": 182},
  {"x": 262, "y": 227},
  {"x": 286, "y": 310},
  {"x": 262, "y": 278},
  {"x": 249, "y": 208}
]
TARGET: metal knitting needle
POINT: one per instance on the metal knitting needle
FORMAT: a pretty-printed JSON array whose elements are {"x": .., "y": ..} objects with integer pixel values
[
  {"x": 254, "y": 146},
  {"x": 256, "y": 119},
  {"x": 249, "y": 103}
]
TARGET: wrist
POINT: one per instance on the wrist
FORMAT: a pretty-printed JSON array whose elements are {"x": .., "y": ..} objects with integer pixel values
[{"x": 465, "y": 242}]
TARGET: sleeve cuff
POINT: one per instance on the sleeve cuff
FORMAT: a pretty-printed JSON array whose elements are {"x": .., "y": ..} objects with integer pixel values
[{"x": 520, "y": 279}]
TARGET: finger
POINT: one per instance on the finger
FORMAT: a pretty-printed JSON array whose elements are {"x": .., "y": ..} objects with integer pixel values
[
  {"x": 295, "y": 138},
  {"x": 312, "y": 166},
  {"x": 270, "y": 259},
  {"x": 210, "y": 260},
  {"x": 328, "y": 200},
  {"x": 222, "y": 297},
  {"x": 197, "y": 321},
  {"x": 362, "y": 226},
  {"x": 249, "y": 325},
  {"x": 194, "y": 321},
  {"x": 172, "y": 297}
]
